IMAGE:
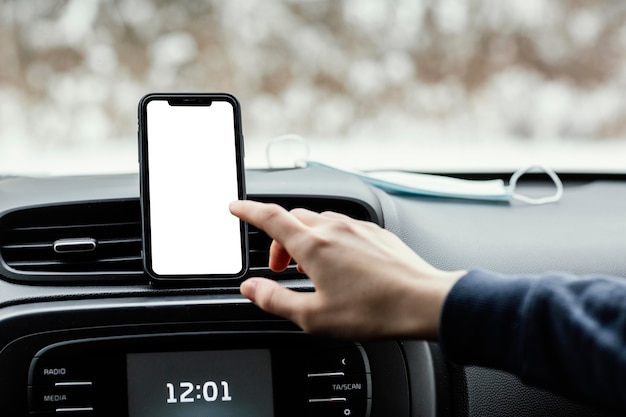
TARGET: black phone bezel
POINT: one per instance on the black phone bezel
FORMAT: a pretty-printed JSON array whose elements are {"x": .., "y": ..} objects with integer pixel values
[{"x": 188, "y": 99}]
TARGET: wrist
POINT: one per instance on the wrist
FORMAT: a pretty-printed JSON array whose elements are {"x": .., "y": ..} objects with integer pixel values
[{"x": 429, "y": 296}]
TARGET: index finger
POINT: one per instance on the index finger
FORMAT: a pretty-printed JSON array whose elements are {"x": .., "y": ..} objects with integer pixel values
[{"x": 277, "y": 222}]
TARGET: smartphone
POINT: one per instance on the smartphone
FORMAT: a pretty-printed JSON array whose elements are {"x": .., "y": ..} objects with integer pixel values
[{"x": 191, "y": 168}]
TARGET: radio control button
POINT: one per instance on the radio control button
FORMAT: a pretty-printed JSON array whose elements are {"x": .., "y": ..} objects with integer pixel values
[
  {"x": 44, "y": 371},
  {"x": 325, "y": 374},
  {"x": 348, "y": 360},
  {"x": 350, "y": 386},
  {"x": 338, "y": 409},
  {"x": 47, "y": 399},
  {"x": 67, "y": 412}
]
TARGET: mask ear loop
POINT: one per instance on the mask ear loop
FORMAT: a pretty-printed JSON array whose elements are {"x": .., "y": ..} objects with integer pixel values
[
  {"x": 541, "y": 200},
  {"x": 298, "y": 163}
]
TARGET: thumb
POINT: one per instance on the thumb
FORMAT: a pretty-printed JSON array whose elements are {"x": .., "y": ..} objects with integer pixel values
[{"x": 273, "y": 297}]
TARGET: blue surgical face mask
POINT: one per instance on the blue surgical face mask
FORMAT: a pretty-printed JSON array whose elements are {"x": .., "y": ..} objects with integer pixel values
[
  {"x": 448, "y": 187},
  {"x": 435, "y": 185}
]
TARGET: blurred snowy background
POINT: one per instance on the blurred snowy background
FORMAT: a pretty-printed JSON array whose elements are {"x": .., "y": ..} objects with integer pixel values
[{"x": 413, "y": 84}]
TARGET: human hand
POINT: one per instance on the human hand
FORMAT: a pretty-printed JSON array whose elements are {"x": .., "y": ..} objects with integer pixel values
[{"x": 368, "y": 283}]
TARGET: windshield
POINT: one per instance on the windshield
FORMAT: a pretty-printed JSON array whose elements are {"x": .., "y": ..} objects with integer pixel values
[{"x": 419, "y": 85}]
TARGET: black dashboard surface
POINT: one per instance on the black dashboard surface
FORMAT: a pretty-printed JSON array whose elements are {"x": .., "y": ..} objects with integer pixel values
[{"x": 584, "y": 233}]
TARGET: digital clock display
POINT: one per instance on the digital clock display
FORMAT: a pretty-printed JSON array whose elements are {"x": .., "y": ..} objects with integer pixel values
[{"x": 200, "y": 384}]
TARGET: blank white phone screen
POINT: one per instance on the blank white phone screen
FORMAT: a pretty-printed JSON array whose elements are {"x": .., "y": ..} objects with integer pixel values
[{"x": 192, "y": 179}]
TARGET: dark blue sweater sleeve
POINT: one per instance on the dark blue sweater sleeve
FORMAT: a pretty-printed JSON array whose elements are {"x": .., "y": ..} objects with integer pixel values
[{"x": 554, "y": 331}]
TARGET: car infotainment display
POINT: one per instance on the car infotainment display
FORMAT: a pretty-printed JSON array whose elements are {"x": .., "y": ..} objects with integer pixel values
[
  {"x": 200, "y": 384},
  {"x": 249, "y": 374}
]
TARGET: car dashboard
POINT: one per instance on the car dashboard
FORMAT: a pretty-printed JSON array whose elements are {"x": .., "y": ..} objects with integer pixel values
[{"x": 83, "y": 331}]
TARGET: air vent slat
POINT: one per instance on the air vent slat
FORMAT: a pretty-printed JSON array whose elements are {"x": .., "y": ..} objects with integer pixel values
[
  {"x": 26, "y": 246},
  {"x": 71, "y": 226},
  {"x": 119, "y": 241},
  {"x": 28, "y": 264}
]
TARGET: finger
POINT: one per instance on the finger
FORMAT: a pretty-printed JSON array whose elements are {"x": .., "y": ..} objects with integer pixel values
[
  {"x": 335, "y": 215},
  {"x": 274, "y": 298},
  {"x": 279, "y": 257},
  {"x": 308, "y": 217},
  {"x": 277, "y": 222}
]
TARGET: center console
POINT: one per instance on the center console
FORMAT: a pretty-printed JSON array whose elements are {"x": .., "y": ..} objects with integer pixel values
[{"x": 191, "y": 356}]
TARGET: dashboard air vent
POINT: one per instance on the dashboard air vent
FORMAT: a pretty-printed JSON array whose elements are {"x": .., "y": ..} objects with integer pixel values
[
  {"x": 259, "y": 241},
  {"x": 90, "y": 239},
  {"x": 101, "y": 241}
]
